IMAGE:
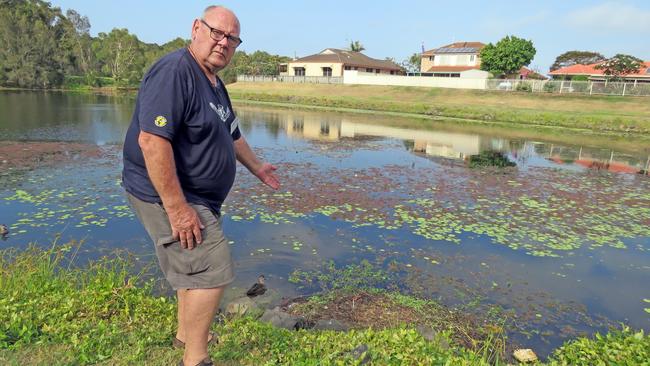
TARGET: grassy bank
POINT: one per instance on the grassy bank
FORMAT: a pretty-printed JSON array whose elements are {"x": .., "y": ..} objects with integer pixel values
[
  {"x": 596, "y": 113},
  {"x": 56, "y": 314}
]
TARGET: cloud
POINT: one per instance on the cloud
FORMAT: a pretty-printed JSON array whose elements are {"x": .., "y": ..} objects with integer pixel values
[{"x": 610, "y": 16}]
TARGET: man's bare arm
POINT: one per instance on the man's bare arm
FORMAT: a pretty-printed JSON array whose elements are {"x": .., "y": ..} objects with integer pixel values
[
  {"x": 161, "y": 167},
  {"x": 263, "y": 171}
]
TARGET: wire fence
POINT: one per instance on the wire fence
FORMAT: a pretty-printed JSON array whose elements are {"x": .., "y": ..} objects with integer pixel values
[
  {"x": 533, "y": 86},
  {"x": 291, "y": 79},
  {"x": 569, "y": 87}
]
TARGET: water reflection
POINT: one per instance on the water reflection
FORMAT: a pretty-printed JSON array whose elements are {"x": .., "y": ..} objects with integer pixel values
[
  {"x": 52, "y": 116},
  {"x": 449, "y": 144}
]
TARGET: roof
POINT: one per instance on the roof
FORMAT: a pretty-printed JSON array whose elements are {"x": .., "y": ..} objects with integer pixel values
[
  {"x": 590, "y": 69},
  {"x": 451, "y": 68},
  {"x": 350, "y": 58},
  {"x": 458, "y": 47},
  {"x": 526, "y": 72}
]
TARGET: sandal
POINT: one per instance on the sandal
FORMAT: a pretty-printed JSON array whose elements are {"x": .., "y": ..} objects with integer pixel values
[
  {"x": 206, "y": 362},
  {"x": 212, "y": 339}
]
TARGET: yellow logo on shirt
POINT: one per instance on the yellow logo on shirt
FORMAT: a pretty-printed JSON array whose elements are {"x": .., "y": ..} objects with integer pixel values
[{"x": 160, "y": 121}]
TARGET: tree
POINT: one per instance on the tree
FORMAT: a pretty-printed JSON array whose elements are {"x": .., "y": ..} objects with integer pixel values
[
  {"x": 620, "y": 65},
  {"x": 83, "y": 41},
  {"x": 412, "y": 64},
  {"x": 571, "y": 58},
  {"x": 356, "y": 46},
  {"x": 257, "y": 63},
  {"x": 121, "y": 55},
  {"x": 37, "y": 44},
  {"x": 507, "y": 56}
]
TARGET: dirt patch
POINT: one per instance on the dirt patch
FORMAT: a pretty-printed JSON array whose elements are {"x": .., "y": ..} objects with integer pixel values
[
  {"x": 362, "y": 309},
  {"x": 18, "y": 155}
]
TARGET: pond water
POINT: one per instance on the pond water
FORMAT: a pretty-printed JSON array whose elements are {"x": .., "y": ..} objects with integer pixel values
[{"x": 559, "y": 242}]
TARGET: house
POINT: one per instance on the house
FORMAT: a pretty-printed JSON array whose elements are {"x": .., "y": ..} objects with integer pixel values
[
  {"x": 460, "y": 59},
  {"x": 332, "y": 62},
  {"x": 590, "y": 71},
  {"x": 526, "y": 73}
]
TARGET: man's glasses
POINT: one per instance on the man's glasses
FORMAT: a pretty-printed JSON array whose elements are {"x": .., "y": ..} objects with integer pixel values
[{"x": 218, "y": 35}]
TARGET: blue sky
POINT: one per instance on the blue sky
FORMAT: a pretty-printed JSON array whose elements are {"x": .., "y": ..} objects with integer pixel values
[{"x": 387, "y": 29}]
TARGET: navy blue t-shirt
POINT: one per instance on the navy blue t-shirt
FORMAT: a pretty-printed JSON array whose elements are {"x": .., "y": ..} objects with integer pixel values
[{"x": 177, "y": 101}]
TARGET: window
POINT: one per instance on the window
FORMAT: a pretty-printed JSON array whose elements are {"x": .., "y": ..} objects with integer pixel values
[
  {"x": 299, "y": 71},
  {"x": 456, "y": 75},
  {"x": 392, "y": 72},
  {"x": 377, "y": 71},
  {"x": 472, "y": 58},
  {"x": 327, "y": 71},
  {"x": 356, "y": 68},
  {"x": 431, "y": 58},
  {"x": 346, "y": 67},
  {"x": 283, "y": 68},
  {"x": 369, "y": 70}
]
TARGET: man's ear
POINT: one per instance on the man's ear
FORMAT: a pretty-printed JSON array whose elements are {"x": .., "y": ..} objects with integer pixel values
[{"x": 195, "y": 26}]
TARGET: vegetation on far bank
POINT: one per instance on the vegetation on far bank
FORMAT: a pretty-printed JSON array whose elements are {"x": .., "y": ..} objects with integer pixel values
[
  {"x": 44, "y": 48},
  {"x": 53, "y": 312},
  {"x": 601, "y": 114}
]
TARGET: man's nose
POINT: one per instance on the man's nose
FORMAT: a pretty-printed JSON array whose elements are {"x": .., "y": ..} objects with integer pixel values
[{"x": 223, "y": 42}]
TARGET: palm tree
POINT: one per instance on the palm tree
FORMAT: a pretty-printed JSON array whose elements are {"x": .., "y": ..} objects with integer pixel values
[{"x": 356, "y": 46}]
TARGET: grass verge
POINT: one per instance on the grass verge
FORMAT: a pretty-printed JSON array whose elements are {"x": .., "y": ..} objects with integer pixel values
[{"x": 54, "y": 313}]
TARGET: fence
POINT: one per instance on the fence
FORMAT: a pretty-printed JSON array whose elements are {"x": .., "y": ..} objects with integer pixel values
[
  {"x": 568, "y": 87},
  {"x": 534, "y": 86},
  {"x": 292, "y": 79}
]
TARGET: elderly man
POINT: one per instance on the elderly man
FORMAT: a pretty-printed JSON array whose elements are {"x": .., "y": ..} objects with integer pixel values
[{"x": 180, "y": 157}]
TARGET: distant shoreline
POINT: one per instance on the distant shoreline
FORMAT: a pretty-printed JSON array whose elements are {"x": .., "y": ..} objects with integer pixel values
[{"x": 600, "y": 115}]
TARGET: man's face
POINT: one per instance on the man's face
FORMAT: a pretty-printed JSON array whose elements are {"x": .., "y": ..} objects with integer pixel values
[{"x": 214, "y": 55}]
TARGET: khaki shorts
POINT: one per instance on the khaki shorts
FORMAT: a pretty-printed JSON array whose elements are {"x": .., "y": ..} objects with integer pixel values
[{"x": 208, "y": 265}]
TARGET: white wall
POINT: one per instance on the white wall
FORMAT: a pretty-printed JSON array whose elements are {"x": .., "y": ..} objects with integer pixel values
[
  {"x": 314, "y": 69},
  {"x": 474, "y": 79}
]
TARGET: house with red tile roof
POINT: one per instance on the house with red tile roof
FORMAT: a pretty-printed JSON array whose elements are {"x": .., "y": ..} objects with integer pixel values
[
  {"x": 590, "y": 71},
  {"x": 526, "y": 73},
  {"x": 460, "y": 59}
]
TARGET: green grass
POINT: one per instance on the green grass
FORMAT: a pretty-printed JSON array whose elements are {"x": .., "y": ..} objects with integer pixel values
[
  {"x": 53, "y": 313},
  {"x": 595, "y": 113}
]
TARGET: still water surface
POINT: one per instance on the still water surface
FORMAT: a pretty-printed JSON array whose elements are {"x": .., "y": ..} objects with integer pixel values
[{"x": 560, "y": 242}]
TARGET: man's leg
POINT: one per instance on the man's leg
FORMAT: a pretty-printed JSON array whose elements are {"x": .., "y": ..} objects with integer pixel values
[
  {"x": 180, "y": 332},
  {"x": 198, "y": 310}
]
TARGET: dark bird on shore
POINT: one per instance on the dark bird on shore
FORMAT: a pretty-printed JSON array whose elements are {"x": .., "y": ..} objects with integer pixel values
[{"x": 258, "y": 288}]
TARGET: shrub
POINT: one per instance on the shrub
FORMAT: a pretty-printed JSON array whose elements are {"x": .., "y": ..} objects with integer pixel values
[
  {"x": 551, "y": 87},
  {"x": 524, "y": 87},
  {"x": 580, "y": 78}
]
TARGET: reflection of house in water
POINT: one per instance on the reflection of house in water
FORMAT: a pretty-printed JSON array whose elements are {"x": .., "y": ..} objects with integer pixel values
[
  {"x": 313, "y": 127},
  {"x": 598, "y": 159},
  {"x": 434, "y": 143},
  {"x": 455, "y": 145}
]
